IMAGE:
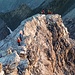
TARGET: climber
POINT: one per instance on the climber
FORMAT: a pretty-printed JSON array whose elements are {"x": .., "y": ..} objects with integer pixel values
[
  {"x": 19, "y": 41},
  {"x": 43, "y": 12},
  {"x": 21, "y": 35},
  {"x": 49, "y": 12}
]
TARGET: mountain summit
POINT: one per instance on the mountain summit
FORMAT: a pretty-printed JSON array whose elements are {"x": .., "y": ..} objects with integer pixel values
[{"x": 45, "y": 49}]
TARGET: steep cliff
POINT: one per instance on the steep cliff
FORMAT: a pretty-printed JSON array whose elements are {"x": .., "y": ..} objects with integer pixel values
[{"x": 46, "y": 48}]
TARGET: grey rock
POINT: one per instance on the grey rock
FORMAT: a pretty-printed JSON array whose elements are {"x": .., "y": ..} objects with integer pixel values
[{"x": 49, "y": 48}]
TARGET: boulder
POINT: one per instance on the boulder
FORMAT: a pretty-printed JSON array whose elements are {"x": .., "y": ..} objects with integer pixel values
[
  {"x": 23, "y": 65},
  {"x": 9, "y": 64}
]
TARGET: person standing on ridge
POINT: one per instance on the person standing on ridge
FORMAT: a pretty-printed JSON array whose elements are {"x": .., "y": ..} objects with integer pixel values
[
  {"x": 43, "y": 12},
  {"x": 19, "y": 41},
  {"x": 49, "y": 12},
  {"x": 21, "y": 35}
]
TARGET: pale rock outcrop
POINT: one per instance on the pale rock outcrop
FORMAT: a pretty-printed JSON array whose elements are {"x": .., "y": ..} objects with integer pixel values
[
  {"x": 1, "y": 69},
  {"x": 46, "y": 43}
]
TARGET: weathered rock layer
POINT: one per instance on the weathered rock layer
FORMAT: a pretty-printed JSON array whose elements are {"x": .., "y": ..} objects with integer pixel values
[
  {"x": 49, "y": 50},
  {"x": 49, "y": 46}
]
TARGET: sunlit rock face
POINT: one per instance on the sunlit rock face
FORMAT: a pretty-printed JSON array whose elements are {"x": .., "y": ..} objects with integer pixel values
[
  {"x": 48, "y": 48},
  {"x": 49, "y": 44}
]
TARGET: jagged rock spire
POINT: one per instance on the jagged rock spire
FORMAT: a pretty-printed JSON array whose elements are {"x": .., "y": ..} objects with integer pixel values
[{"x": 48, "y": 46}]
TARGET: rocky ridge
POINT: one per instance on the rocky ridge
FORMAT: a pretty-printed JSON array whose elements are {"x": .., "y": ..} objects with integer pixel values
[{"x": 46, "y": 48}]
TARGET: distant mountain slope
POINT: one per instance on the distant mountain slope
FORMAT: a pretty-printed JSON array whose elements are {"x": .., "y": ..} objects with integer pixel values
[
  {"x": 3, "y": 30},
  {"x": 69, "y": 21},
  {"x": 8, "y": 5},
  {"x": 13, "y": 18},
  {"x": 70, "y": 14},
  {"x": 1, "y": 23},
  {"x": 70, "y": 9},
  {"x": 61, "y": 6}
]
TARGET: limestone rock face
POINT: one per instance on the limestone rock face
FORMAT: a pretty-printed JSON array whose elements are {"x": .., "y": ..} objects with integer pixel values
[{"x": 48, "y": 48}]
